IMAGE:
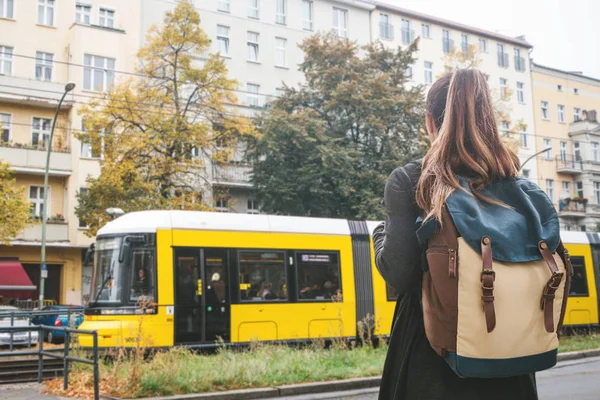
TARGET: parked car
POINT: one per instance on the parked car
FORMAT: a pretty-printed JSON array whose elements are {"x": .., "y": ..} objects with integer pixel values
[
  {"x": 19, "y": 338},
  {"x": 62, "y": 319}
]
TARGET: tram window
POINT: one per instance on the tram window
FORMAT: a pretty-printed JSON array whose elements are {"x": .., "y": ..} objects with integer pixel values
[
  {"x": 143, "y": 285},
  {"x": 579, "y": 286},
  {"x": 318, "y": 276},
  {"x": 392, "y": 295},
  {"x": 262, "y": 276}
]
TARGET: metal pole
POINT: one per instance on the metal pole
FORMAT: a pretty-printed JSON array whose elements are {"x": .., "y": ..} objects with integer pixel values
[
  {"x": 535, "y": 155},
  {"x": 41, "y": 359},
  {"x": 96, "y": 372},
  {"x": 43, "y": 271},
  {"x": 66, "y": 361}
]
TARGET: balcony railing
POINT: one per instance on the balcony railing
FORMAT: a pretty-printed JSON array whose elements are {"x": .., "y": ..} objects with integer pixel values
[
  {"x": 232, "y": 174},
  {"x": 447, "y": 45},
  {"x": 386, "y": 31},
  {"x": 503, "y": 60},
  {"x": 520, "y": 64},
  {"x": 568, "y": 164},
  {"x": 31, "y": 160},
  {"x": 408, "y": 36},
  {"x": 572, "y": 208}
]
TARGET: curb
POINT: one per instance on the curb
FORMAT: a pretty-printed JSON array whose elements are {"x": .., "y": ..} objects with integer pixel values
[{"x": 315, "y": 387}]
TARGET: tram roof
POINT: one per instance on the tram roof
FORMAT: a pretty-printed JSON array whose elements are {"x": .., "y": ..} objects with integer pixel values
[{"x": 151, "y": 221}]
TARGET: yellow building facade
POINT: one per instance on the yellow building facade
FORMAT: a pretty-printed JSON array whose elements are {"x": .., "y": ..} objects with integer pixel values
[
  {"x": 43, "y": 45},
  {"x": 565, "y": 105}
]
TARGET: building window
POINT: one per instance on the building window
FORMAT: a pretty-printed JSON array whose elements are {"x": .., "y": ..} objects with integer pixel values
[
  {"x": 4, "y": 128},
  {"x": 340, "y": 22},
  {"x": 464, "y": 44},
  {"x": 559, "y": 87},
  {"x": 253, "y": 206},
  {"x": 563, "y": 151},
  {"x": 428, "y": 72},
  {"x": 98, "y": 74},
  {"x": 566, "y": 190},
  {"x": 576, "y": 151},
  {"x": 561, "y": 113},
  {"x": 223, "y": 39},
  {"x": 280, "y": 52},
  {"x": 408, "y": 35},
  {"x": 6, "y": 54},
  {"x": 222, "y": 204},
  {"x": 262, "y": 276},
  {"x": 523, "y": 135},
  {"x": 576, "y": 114},
  {"x": 597, "y": 192},
  {"x": 318, "y": 276},
  {"x": 40, "y": 131},
  {"x": 36, "y": 198},
  {"x": 504, "y": 88},
  {"x": 83, "y": 13},
  {"x": 575, "y": 91},
  {"x": 82, "y": 223},
  {"x": 7, "y": 9},
  {"x": 446, "y": 41},
  {"x": 253, "y": 9},
  {"x": 483, "y": 45},
  {"x": 579, "y": 188},
  {"x": 550, "y": 189},
  {"x": 505, "y": 128},
  {"x": 386, "y": 30},
  {"x": 409, "y": 71},
  {"x": 547, "y": 145},
  {"x": 595, "y": 152},
  {"x": 426, "y": 31},
  {"x": 92, "y": 150},
  {"x": 307, "y": 15},
  {"x": 502, "y": 56},
  {"x": 526, "y": 173},
  {"x": 281, "y": 12},
  {"x": 520, "y": 92},
  {"x": 46, "y": 12},
  {"x": 519, "y": 61},
  {"x": 253, "y": 50},
  {"x": 223, "y": 5},
  {"x": 545, "y": 110},
  {"x": 43, "y": 66},
  {"x": 252, "y": 98},
  {"x": 107, "y": 18}
]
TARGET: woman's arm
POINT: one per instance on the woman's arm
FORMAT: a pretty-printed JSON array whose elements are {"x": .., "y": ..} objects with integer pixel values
[{"x": 397, "y": 250}]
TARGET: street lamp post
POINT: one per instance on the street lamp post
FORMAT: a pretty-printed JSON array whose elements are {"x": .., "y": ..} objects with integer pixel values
[
  {"x": 535, "y": 155},
  {"x": 44, "y": 271}
]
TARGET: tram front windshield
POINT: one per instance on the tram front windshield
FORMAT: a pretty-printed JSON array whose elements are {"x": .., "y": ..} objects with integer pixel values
[{"x": 124, "y": 272}]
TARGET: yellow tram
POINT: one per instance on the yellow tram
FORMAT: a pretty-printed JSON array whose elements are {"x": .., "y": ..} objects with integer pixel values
[{"x": 165, "y": 278}]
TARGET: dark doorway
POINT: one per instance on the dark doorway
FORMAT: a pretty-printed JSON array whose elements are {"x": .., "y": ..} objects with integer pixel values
[{"x": 52, "y": 282}]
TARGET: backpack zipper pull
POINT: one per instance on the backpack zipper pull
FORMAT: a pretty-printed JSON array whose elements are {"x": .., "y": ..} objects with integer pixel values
[{"x": 452, "y": 263}]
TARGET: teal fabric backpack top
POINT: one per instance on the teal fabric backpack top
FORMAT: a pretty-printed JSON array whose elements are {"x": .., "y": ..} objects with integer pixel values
[{"x": 497, "y": 280}]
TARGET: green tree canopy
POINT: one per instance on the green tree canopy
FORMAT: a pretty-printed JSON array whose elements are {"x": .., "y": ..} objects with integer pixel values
[
  {"x": 160, "y": 131},
  {"x": 327, "y": 147},
  {"x": 16, "y": 211}
]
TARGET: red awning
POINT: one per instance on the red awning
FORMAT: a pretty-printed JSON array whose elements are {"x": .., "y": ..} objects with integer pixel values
[{"x": 14, "y": 281}]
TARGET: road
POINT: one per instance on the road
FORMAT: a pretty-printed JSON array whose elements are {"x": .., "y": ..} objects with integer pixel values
[{"x": 578, "y": 380}]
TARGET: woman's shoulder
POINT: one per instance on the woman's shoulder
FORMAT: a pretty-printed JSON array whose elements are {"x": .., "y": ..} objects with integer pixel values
[{"x": 408, "y": 174}]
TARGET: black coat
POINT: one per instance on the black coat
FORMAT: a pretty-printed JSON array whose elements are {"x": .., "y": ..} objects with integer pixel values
[{"x": 412, "y": 368}]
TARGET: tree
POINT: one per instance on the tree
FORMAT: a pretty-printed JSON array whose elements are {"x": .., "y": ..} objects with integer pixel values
[
  {"x": 160, "y": 131},
  {"x": 327, "y": 147},
  {"x": 16, "y": 211}
]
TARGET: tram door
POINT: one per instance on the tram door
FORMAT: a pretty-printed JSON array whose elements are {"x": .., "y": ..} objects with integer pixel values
[{"x": 201, "y": 295}]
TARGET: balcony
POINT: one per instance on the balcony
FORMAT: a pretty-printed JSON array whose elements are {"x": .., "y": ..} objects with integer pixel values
[
  {"x": 232, "y": 175},
  {"x": 55, "y": 232},
  {"x": 572, "y": 208},
  {"x": 520, "y": 64},
  {"x": 503, "y": 60},
  {"x": 32, "y": 92},
  {"x": 33, "y": 161},
  {"x": 408, "y": 36},
  {"x": 567, "y": 164},
  {"x": 447, "y": 45},
  {"x": 386, "y": 31}
]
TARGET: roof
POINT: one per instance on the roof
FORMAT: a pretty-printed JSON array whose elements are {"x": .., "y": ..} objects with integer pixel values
[
  {"x": 561, "y": 71},
  {"x": 151, "y": 221},
  {"x": 454, "y": 25}
]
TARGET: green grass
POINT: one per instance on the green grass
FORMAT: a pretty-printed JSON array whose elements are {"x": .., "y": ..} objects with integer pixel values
[{"x": 579, "y": 342}]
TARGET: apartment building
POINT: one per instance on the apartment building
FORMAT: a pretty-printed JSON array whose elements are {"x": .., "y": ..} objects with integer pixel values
[
  {"x": 43, "y": 45},
  {"x": 505, "y": 61},
  {"x": 259, "y": 41},
  {"x": 565, "y": 105}
]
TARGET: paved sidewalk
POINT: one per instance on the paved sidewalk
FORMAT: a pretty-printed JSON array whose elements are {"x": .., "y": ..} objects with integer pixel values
[{"x": 25, "y": 391}]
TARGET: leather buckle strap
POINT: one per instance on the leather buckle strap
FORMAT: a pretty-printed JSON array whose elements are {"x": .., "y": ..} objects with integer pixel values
[
  {"x": 488, "y": 276},
  {"x": 548, "y": 295}
]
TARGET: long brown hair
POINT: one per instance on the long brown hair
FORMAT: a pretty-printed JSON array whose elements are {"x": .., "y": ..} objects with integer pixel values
[{"x": 467, "y": 142}]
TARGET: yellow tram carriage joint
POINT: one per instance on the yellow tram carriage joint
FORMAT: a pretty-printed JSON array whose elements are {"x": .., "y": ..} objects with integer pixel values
[{"x": 167, "y": 278}]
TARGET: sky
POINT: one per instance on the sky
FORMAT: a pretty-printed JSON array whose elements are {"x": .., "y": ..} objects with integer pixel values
[{"x": 565, "y": 33}]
